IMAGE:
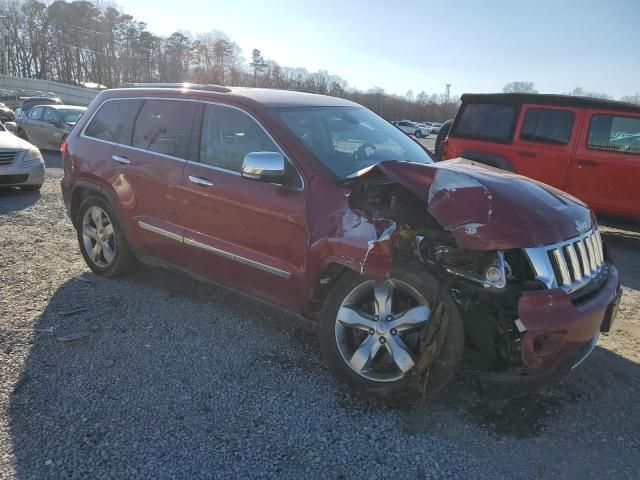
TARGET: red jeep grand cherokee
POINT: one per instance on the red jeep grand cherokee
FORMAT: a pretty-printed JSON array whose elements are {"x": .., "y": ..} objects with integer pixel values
[
  {"x": 317, "y": 205},
  {"x": 585, "y": 146}
]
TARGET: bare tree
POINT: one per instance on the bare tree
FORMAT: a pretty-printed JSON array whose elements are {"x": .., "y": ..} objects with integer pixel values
[{"x": 519, "y": 87}]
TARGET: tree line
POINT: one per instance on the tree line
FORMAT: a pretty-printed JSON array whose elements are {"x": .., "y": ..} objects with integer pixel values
[
  {"x": 79, "y": 42},
  {"x": 82, "y": 41}
]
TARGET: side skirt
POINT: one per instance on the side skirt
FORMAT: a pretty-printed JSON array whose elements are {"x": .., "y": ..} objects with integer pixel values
[{"x": 307, "y": 322}]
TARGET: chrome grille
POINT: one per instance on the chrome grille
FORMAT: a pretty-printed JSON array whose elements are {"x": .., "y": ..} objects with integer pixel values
[
  {"x": 569, "y": 265},
  {"x": 7, "y": 157}
]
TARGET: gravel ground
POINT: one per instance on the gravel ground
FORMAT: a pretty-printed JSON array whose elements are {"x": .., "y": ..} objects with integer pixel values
[{"x": 156, "y": 376}]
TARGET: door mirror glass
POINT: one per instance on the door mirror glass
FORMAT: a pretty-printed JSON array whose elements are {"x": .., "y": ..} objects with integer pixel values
[
  {"x": 11, "y": 126},
  {"x": 264, "y": 166}
]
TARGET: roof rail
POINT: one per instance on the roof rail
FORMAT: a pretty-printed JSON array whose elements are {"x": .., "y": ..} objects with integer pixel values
[{"x": 191, "y": 86}]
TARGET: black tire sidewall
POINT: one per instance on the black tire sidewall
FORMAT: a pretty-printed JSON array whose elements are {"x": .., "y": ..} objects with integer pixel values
[
  {"x": 405, "y": 390},
  {"x": 122, "y": 260}
]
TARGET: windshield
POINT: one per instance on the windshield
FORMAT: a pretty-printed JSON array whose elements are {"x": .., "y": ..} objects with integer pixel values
[
  {"x": 71, "y": 116},
  {"x": 348, "y": 139}
]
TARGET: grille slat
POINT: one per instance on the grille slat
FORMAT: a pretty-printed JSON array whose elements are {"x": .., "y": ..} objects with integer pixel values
[
  {"x": 576, "y": 271},
  {"x": 592, "y": 256},
  {"x": 7, "y": 157},
  {"x": 584, "y": 258},
  {"x": 571, "y": 264},
  {"x": 562, "y": 266}
]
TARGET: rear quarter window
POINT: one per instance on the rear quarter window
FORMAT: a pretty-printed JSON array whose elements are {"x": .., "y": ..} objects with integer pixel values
[
  {"x": 485, "y": 121},
  {"x": 113, "y": 122}
]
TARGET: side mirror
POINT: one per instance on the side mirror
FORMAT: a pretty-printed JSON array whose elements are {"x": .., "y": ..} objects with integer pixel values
[
  {"x": 264, "y": 166},
  {"x": 11, "y": 126}
]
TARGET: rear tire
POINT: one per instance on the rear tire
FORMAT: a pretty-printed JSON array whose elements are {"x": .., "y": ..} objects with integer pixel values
[
  {"x": 101, "y": 238},
  {"x": 390, "y": 390},
  {"x": 418, "y": 134}
]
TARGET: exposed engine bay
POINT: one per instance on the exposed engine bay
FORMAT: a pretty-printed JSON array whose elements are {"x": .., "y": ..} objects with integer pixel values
[{"x": 486, "y": 285}]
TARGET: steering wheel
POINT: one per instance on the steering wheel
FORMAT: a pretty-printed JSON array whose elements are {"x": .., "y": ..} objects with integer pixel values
[{"x": 364, "y": 152}]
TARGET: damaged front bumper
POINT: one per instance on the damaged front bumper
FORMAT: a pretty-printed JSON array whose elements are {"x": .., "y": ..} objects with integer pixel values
[{"x": 558, "y": 333}]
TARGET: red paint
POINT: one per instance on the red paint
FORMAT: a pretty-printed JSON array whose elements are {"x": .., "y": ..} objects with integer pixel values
[
  {"x": 551, "y": 312},
  {"x": 606, "y": 180},
  {"x": 510, "y": 211},
  {"x": 302, "y": 232}
]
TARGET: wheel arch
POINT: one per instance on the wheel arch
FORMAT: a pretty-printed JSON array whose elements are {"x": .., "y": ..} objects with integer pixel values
[
  {"x": 488, "y": 158},
  {"x": 81, "y": 190}
]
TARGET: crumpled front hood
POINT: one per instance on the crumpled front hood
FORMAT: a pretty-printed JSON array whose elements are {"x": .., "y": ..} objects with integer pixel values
[{"x": 489, "y": 209}]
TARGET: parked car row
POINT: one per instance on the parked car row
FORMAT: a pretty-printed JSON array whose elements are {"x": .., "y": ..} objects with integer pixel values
[
  {"x": 40, "y": 122},
  {"x": 412, "y": 128},
  {"x": 418, "y": 129}
]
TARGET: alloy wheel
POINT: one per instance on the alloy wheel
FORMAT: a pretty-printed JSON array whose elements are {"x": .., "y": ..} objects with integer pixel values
[
  {"x": 378, "y": 327},
  {"x": 98, "y": 237}
]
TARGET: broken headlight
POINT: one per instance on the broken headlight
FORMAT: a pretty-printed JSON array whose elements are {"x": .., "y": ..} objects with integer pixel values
[{"x": 485, "y": 268}]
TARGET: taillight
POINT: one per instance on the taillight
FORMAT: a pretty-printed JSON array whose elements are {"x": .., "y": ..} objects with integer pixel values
[
  {"x": 445, "y": 149},
  {"x": 64, "y": 147}
]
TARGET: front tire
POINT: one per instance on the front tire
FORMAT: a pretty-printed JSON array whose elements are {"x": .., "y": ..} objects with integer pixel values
[
  {"x": 101, "y": 238},
  {"x": 370, "y": 335},
  {"x": 418, "y": 134}
]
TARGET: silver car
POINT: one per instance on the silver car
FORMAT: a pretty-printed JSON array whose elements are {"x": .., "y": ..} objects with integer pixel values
[
  {"x": 46, "y": 125},
  {"x": 21, "y": 164}
]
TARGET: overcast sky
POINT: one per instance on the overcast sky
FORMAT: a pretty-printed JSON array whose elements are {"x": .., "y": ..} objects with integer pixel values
[{"x": 477, "y": 46}]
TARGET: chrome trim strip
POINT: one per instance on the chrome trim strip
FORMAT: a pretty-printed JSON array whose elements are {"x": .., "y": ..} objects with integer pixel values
[
  {"x": 238, "y": 258},
  {"x": 217, "y": 251},
  {"x": 542, "y": 260},
  {"x": 588, "y": 348},
  {"x": 224, "y": 170},
  {"x": 160, "y": 231}
]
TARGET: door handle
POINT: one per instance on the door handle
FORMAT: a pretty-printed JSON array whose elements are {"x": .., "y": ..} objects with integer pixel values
[
  {"x": 526, "y": 154},
  {"x": 588, "y": 163},
  {"x": 120, "y": 159},
  {"x": 200, "y": 181}
]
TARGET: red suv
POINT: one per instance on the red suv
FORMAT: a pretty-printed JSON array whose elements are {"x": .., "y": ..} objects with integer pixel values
[
  {"x": 585, "y": 146},
  {"x": 317, "y": 205}
]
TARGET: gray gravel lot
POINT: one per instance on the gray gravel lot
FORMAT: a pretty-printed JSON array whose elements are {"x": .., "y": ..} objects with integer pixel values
[{"x": 156, "y": 376}]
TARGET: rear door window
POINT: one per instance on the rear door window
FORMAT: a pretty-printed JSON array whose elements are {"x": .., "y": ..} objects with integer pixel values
[
  {"x": 50, "y": 115},
  {"x": 164, "y": 126},
  {"x": 547, "y": 125},
  {"x": 486, "y": 121},
  {"x": 614, "y": 133},
  {"x": 36, "y": 113},
  {"x": 113, "y": 121}
]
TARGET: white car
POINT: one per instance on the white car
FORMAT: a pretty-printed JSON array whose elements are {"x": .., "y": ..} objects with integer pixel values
[
  {"x": 435, "y": 127},
  {"x": 21, "y": 164},
  {"x": 412, "y": 128}
]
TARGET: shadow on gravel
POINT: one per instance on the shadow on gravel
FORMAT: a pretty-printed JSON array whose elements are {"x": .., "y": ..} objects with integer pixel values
[
  {"x": 125, "y": 378},
  {"x": 14, "y": 199},
  {"x": 114, "y": 385},
  {"x": 598, "y": 386},
  {"x": 52, "y": 158}
]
